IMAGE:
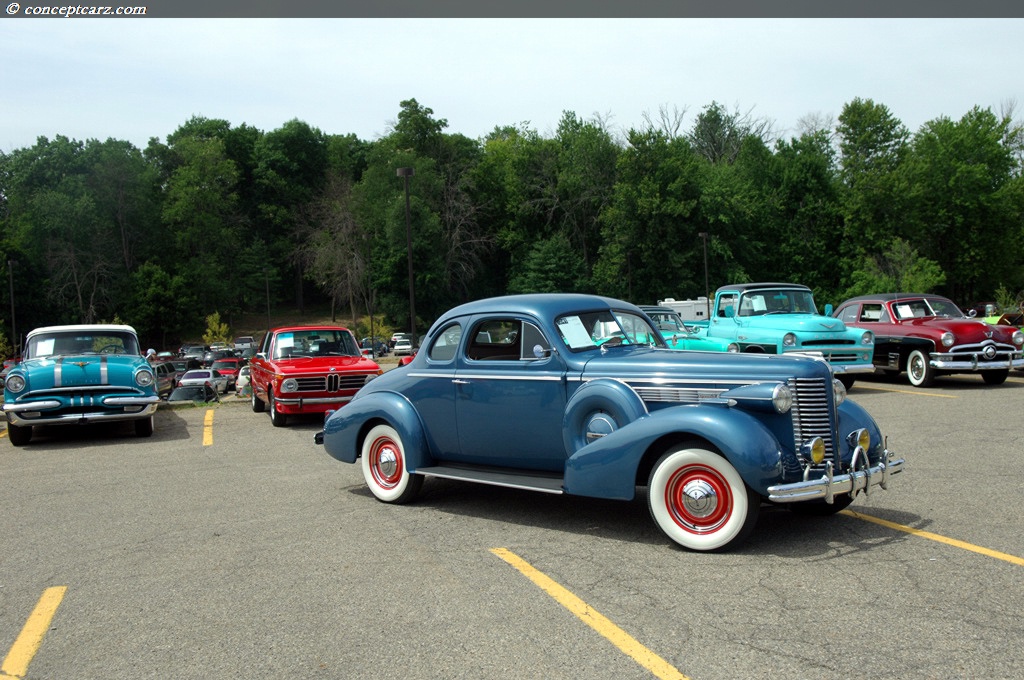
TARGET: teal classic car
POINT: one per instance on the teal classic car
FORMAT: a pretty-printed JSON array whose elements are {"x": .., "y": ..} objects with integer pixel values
[
  {"x": 579, "y": 394},
  {"x": 781, "y": 318},
  {"x": 74, "y": 375},
  {"x": 678, "y": 335}
]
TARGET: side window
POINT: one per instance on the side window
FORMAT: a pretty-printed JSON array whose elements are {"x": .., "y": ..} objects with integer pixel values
[
  {"x": 848, "y": 314},
  {"x": 724, "y": 302},
  {"x": 507, "y": 340},
  {"x": 872, "y": 312},
  {"x": 446, "y": 343}
]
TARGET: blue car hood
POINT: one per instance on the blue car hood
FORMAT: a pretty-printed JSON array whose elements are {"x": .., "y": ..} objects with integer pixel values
[{"x": 641, "y": 363}]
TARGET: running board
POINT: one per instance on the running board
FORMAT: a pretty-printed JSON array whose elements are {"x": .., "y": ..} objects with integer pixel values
[{"x": 545, "y": 483}]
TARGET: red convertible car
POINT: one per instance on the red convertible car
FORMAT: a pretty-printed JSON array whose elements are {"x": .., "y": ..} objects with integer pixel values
[
  {"x": 927, "y": 336},
  {"x": 307, "y": 369}
]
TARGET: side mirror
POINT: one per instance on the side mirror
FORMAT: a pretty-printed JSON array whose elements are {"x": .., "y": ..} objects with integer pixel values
[{"x": 828, "y": 309}]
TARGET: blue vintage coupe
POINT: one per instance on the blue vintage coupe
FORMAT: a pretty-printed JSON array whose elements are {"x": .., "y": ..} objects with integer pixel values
[
  {"x": 71, "y": 375},
  {"x": 578, "y": 394}
]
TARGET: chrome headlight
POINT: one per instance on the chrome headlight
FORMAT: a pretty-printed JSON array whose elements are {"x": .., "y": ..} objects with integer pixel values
[
  {"x": 948, "y": 339},
  {"x": 733, "y": 347},
  {"x": 789, "y": 340},
  {"x": 782, "y": 398},
  {"x": 144, "y": 378},
  {"x": 1018, "y": 338},
  {"x": 859, "y": 438},
  {"x": 15, "y": 383},
  {"x": 868, "y": 338},
  {"x": 290, "y": 385},
  {"x": 838, "y": 391}
]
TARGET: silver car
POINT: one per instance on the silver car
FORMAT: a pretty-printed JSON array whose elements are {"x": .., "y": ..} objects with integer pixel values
[{"x": 201, "y": 376}]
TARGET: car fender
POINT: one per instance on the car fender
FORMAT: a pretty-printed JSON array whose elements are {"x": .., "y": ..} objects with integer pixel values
[
  {"x": 607, "y": 467},
  {"x": 344, "y": 429},
  {"x": 599, "y": 406},
  {"x": 852, "y": 417}
]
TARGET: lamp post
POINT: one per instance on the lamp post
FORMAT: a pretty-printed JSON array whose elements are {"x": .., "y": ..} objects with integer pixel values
[
  {"x": 406, "y": 173},
  {"x": 14, "y": 329},
  {"x": 707, "y": 290}
]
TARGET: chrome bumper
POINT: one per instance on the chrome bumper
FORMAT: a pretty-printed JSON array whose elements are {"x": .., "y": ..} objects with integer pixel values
[
  {"x": 317, "y": 400},
  {"x": 957, "y": 362},
  {"x": 147, "y": 406},
  {"x": 830, "y": 484}
]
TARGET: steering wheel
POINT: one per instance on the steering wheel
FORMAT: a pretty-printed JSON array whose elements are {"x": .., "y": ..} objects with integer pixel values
[{"x": 111, "y": 349}]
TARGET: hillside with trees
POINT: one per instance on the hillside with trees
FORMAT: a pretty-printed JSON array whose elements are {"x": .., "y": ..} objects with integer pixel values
[{"x": 235, "y": 221}]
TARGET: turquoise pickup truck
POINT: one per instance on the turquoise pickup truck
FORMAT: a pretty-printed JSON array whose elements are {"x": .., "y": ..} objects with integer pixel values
[{"x": 779, "y": 318}]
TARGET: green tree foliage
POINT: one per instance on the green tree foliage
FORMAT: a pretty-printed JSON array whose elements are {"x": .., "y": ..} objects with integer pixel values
[
  {"x": 216, "y": 330},
  {"x": 231, "y": 219}
]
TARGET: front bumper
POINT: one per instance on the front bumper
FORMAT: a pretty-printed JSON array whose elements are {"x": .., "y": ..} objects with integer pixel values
[
  {"x": 830, "y": 484},
  {"x": 310, "y": 404},
  {"x": 975, "y": 362},
  {"x": 44, "y": 413}
]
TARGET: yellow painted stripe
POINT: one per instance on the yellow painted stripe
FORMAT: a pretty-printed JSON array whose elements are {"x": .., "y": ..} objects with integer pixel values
[
  {"x": 208, "y": 428},
  {"x": 1006, "y": 557},
  {"x": 618, "y": 637},
  {"x": 31, "y": 637},
  {"x": 919, "y": 393}
]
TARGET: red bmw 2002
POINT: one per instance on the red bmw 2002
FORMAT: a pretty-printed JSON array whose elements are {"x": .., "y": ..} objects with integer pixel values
[{"x": 307, "y": 369}]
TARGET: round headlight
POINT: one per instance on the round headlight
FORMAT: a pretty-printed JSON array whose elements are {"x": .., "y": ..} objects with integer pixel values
[
  {"x": 15, "y": 383},
  {"x": 859, "y": 438},
  {"x": 733, "y": 347},
  {"x": 1018, "y": 338},
  {"x": 789, "y": 340},
  {"x": 290, "y": 385},
  {"x": 782, "y": 398},
  {"x": 868, "y": 338},
  {"x": 814, "y": 450},
  {"x": 838, "y": 391},
  {"x": 948, "y": 339},
  {"x": 144, "y": 378}
]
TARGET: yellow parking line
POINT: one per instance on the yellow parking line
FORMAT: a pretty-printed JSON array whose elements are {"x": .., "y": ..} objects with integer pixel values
[
  {"x": 31, "y": 637},
  {"x": 208, "y": 428},
  {"x": 618, "y": 637},
  {"x": 1006, "y": 557},
  {"x": 920, "y": 393}
]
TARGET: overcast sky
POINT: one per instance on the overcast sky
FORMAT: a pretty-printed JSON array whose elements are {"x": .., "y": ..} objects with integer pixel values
[{"x": 136, "y": 79}]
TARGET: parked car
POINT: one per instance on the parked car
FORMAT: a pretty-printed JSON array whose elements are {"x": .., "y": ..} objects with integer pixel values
[
  {"x": 244, "y": 342},
  {"x": 229, "y": 366},
  {"x": 307, "y": 369},
  {"x": 243, "y": 387},
  {"x": 680, "y": 336},
  {"x": 183, "y": 366},
  {"x": 166, "y": 377},
  {"x": 78, "y": 374},
  {"x": 578, "y": 394},
  {"x": 196, "y": 352},
  {"x": 202, "y": 376},
  {"x": 375, "y": 348},
  {"x": 193, "y": 393},
  {"x": 928, "y": 336},
  {"x": 213, "y": 355},
  {"x": 395, "y": 337},
  {"x": 403, "y": 347}
]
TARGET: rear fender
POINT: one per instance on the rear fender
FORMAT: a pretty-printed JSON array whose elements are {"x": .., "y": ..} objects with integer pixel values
[
  {"x": 345, "y": 428},
  {"x": 607, "y": 467}
]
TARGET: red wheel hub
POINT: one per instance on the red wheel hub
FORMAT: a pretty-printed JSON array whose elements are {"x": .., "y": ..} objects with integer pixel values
[{"x": 699, "y": 499}]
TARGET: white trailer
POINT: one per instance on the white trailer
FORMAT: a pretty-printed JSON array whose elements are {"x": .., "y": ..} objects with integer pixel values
[{"x": 688, "y": 310}]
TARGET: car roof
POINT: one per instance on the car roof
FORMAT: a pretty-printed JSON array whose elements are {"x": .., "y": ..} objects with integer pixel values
[
  {"x": 743, "y": 287},
  {"x": 326, "y": 327},
  {"x": 540, "y": 305},
  {"x": 74, "y": 328},
  {"x": 889, "y": 297}
]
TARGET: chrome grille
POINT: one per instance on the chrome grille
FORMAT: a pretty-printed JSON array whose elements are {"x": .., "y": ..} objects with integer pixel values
[
  {"x": 684, "y": 395},
  {"x": 333, "y": 382},
  {"x": 811, "y": 412}
]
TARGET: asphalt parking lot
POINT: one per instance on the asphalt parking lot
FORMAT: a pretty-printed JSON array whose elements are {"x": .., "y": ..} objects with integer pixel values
[{"x": 223, "y": 547}]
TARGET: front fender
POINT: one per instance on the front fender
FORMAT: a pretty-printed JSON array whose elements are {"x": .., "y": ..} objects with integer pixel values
[
  {"x": 607, "y": 467},
  {"x": 345, "y": 428},
  {"x": 852, "y": 417}
]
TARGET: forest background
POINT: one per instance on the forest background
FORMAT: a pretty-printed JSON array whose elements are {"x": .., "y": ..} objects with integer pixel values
[{"x": 233, "y": 221}]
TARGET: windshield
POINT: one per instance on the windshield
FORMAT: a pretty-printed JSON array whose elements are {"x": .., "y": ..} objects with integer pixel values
[
  {"x": 668, "y": 322},
  {"x": 590, "y": 330},
  {"x": 916, "y": 309},
  {"x": 62, "y": 343},
  {"x": 315, "y": 343},
  {"x": 761, "y": 302}
]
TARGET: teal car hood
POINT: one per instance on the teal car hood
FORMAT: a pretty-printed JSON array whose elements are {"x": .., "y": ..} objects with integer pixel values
[
  {"x": 802, "y": 323},
  {"x": 82, "y": 370}
]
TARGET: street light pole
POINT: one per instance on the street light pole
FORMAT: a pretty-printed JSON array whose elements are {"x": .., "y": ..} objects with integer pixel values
[
  {"x": 14, "y": 329},
  {"x": 406, "y": 173},
  {"x": 707, "y": 289}
]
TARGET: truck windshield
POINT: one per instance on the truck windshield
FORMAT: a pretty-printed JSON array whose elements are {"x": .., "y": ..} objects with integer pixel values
[{"x": 760, "y": 302}]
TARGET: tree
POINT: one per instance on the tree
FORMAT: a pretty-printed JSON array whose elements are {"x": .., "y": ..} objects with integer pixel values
[{"x": 900, "y": 268}]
